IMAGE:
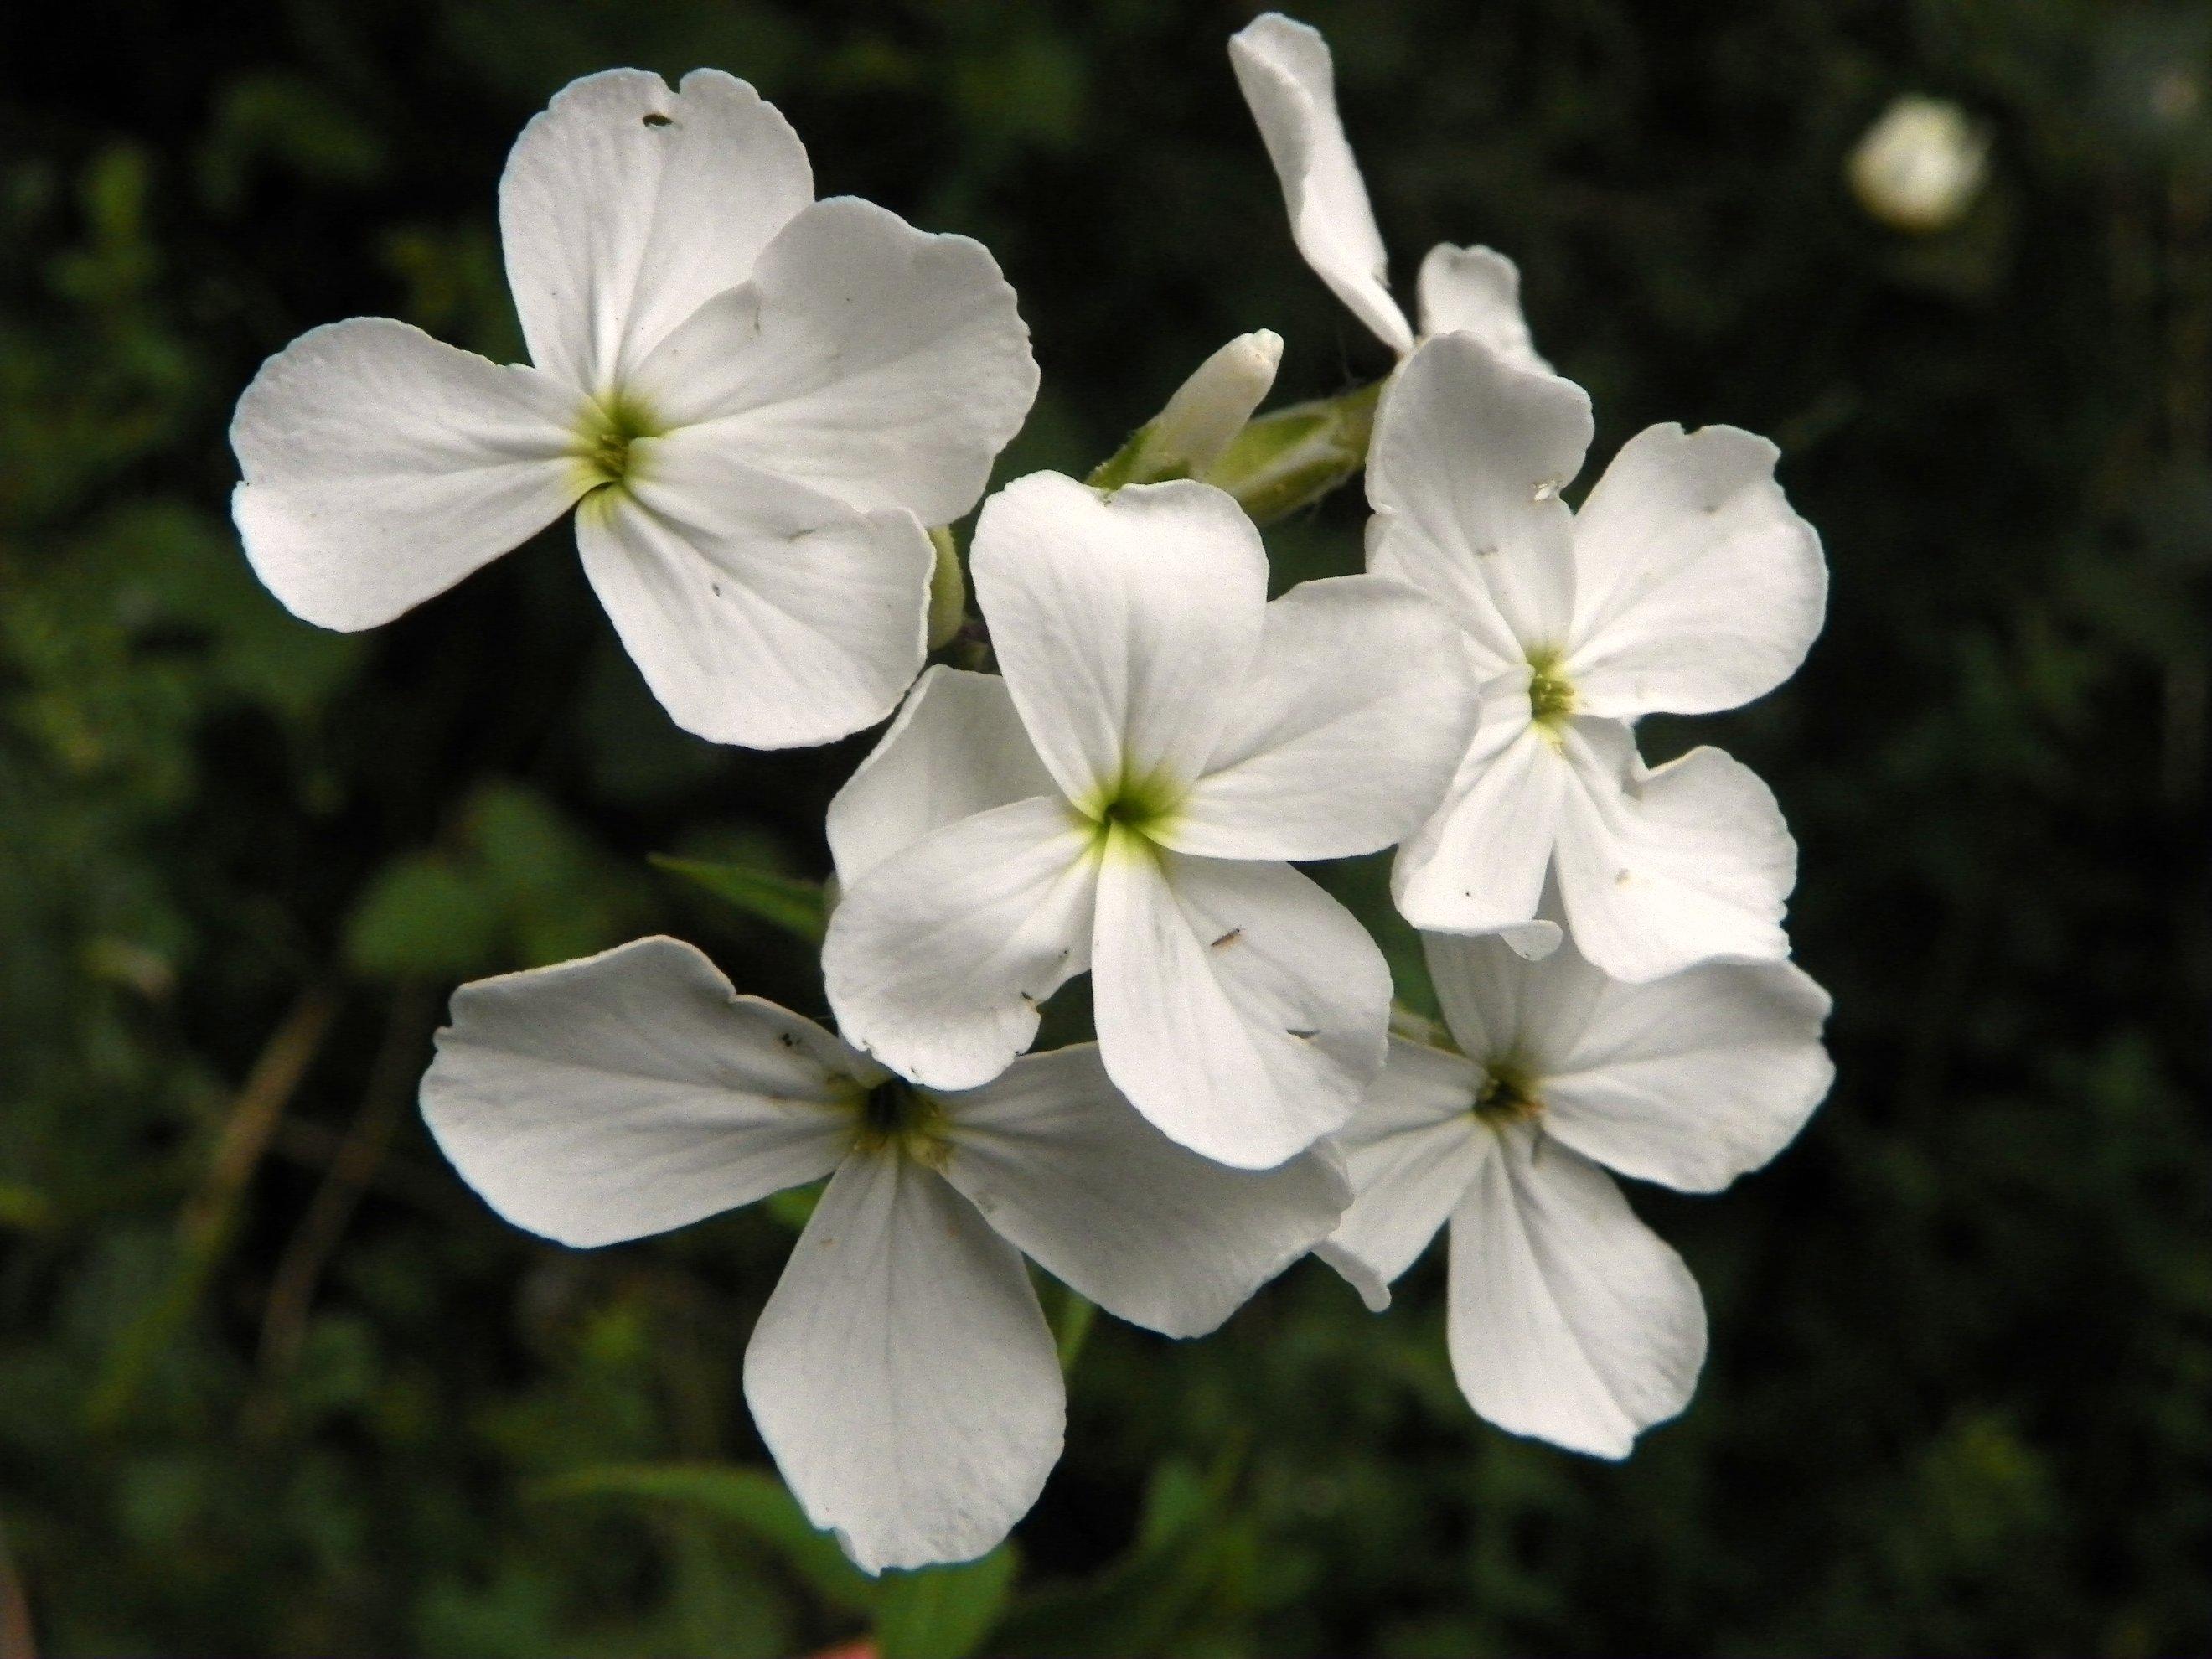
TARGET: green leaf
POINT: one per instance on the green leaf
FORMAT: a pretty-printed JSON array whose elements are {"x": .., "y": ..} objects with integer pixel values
[
  {"x": 423, "y": 918},
  {"x": 753, "y": 1500},
  {"x": 797, "y": 907},
  {"x": 943, "y": 1612}
]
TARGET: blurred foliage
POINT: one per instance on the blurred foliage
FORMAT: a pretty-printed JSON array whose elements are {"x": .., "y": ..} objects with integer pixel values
[{"x": 272, "y": 1381}]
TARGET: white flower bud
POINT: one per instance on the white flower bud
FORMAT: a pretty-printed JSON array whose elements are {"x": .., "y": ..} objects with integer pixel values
[
  {"x": 1203, "y": 418},
  {"x": 1919, "y": 168}
]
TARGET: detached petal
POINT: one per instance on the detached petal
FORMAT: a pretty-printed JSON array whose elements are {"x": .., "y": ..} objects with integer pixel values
[
  {"x": 761, "y": 611},
  {"x": 1662, "y": 869},
  {"x": 935, "y": 962},
  {"x": 1287, "y": 77},
  {"x": 1690, "y": 1080},
  {"x": 1469, "y": 455},
  {"x": 382, "y": 466},
  {"x": 1476, "y": 290},
  {"x": 1413, "y": 1149},
  {"x": 1696, "y": 587},
  {"x": 955, "y": 750},
  {"x": 1124, "y": 623},
  {"x": 902, "y": 1375},
  {"x": 1240, "y": 1007},
  {"x": 625, "y": 207},
  {"x": 1477, "y": 865},
  {"x": 869, "y": 359},
  {"x": 1569, "y": 1320},
  {"x": 1343, "y": 738},
  {"x": 632, "y": 1092},
  {"x": 1065, "y": 1167}
]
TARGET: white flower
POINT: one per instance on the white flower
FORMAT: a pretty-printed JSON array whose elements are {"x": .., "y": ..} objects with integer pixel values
[
  {"x": 1287, "y": 77},
  {"x": 1920, "y": 166},
  {"x": 901, "y": 1373},
  {"x": 1685, "y": 584},
  {"x": 752, "y": 395},
  {"x": 1125, "y": 801},
  {"x": 1567, "y": 1319}
]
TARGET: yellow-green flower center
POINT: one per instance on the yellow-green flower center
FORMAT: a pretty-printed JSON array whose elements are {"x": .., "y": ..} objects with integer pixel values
[
  {"x": 1508, "y": 1095},
  {"x": 1551, "y": 694},
  {"x": 1139, "y": 807},
  {"x": 611, "y": 425},
  {"x": 897, "y": 1116}
]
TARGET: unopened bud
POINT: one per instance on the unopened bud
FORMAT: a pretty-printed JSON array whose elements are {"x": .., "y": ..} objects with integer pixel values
[
  {"x": 1203, "y": 418},
  {"x": 1919, "y": 168},
  {"x": 1292, "y": 457}
]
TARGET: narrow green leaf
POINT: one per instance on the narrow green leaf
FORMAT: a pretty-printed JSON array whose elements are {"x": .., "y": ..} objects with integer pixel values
[
  {"x": 784, "y": 901},
  {"x": 752, "y": 1499},
  {"x": 943, "y": 1612}
]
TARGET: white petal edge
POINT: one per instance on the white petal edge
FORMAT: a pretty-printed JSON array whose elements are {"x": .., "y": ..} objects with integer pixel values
[
  {"x": 881, "y": 364},
  {"x": 956, "y": 749},
  {"x": 1359, "y": 707},
  {"x": 1477, "y": 865},
  {"x": 1068, "y": 1170},
  {"x": 1568, "y": 1320},
  {"x": 1124, "y": 623},
  {"x": 760, "y": 610},
  {"x": 1284, "y": 68},
  {"x": 903, "y": 1374},
  {"x": 625, "y": 207},
  {"x": 1696, "y": 587},
  {"x": 1469, "y": 455},
  {"x": 1240, "y": 1008},
  {"x": 1690, "y": 1080},
  {"x": 633, "y": 1091},
  {"x": 1412, "y": 1150},
  {"x": 937, "y": 961},
  {"x": 382, "y": 466},
  {"x": 1663, "y": 868},
  {"x": 1476, "y": 290}
]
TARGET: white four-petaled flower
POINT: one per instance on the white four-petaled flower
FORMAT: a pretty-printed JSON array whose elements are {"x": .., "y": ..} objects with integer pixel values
[
  {"x": 901, "y": 1373},
  {"x": 1685, "y": 584},
  {"x": 1567, "y": 1319},
  {"x": 756, "y": 399},
  {"x": 1125, "y": 800},
  {"x": 1287, "y": 77}
]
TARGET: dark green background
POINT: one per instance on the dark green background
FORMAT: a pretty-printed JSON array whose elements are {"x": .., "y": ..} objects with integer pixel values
[{"x": 272, "y": 1381}]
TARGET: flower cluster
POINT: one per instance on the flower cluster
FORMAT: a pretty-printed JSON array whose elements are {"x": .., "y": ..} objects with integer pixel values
[{"x": 764, "y": 411}]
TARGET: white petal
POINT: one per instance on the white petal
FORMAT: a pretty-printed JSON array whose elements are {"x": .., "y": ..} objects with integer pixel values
[
  {"x": 1124, "y": 623},
  {"x": 1412, "y": 1149},
  {"x": 1476, "y": 290},
  {"x": 881, "y": 364},
  {"x": 902, "y": 1375},
  {"x": 1287, "y": 75},
  {"x": 1468, "y": 459},
  {"x": 1477, "y": 865},
  {"x": 1690, "y": 1079},
  {"x": 1696, "y": 587},
  {"x": 625, "y": 207},
  {"x": 1065, "y": 1167},
  {"x": 1569, "y": 1320},
  {"x": 382, "y": 466},
  {"x": 631, "y": 1092},
  {"x": 1483, "y": 987},
  {"x": 759, "y": 610},
  {"x": 956, "y": 749},
  {"x": 1343, "y": 738},
  {"x": 1240, "y": 1007},
  {"x": 936, "y": 961},
  {"x": 1661, "y": 869}
]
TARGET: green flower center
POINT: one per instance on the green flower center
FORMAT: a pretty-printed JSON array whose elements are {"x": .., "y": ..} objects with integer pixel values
[
  {"x": 1551, "y": 694},
  {"x": 611, "y": 425},
  {"x": 1508, "y": 1095},
  {"x": 1134, "y": 806},
  {"x": 896, "y": 1115}
]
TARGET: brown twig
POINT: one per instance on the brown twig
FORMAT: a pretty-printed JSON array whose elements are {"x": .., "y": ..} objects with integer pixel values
[
  {"x": 308, "y": 1251},
  {"x": 18, "y": 1640}
]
